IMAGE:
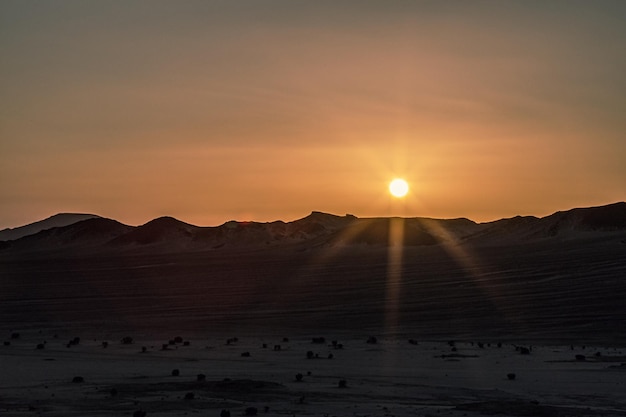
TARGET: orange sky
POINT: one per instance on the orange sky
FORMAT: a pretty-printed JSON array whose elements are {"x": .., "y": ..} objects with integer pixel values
[{"x": 215, "y": 110}]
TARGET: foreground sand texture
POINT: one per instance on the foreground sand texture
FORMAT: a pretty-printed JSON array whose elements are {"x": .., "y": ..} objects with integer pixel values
[{"x": 389, "y": 378}]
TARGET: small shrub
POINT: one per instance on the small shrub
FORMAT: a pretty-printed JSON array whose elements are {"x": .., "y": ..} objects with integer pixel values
[
  {"x": 245, "y": 355},
  {"x": 510, "y": 376},
  {"x": 342, "y": 383},
  {"x": 40, "y": 346},
  {"x": 299, "y": 377},
  {"x": 225, "y": 413},
  {"x": 175, "y": 372},
  {"x": 139, "y": 413},
  {"x": 251, "y": 411},
  {"x": 310, "y": 354},
  {"x": 190, "y": 396},
  {"x": 201, "y": 377},
  {"x": 15, "y": 335},
  {"x": 580, "y": 358},
  {"x": 127, "y": 340},
  {"x": 178, "y": 339},
  {"x": 105, "y": 345},
  {"x": 372, "y": 340},
  {"x": 318, "y": 340},
  {"x": 78, "y": 380}
]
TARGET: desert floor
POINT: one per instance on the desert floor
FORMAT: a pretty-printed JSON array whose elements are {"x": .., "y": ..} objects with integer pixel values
[{"x": 391, "y": 377}]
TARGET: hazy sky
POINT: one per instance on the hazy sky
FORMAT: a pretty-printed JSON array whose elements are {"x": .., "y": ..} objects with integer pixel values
[{"x": 261, "y": 110}]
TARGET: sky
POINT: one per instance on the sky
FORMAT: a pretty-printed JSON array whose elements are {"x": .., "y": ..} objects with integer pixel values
[{"x": 210, "y": 111}]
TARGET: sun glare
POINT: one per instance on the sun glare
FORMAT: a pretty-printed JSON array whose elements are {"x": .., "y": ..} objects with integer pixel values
[{"x": 398, "y": 187}]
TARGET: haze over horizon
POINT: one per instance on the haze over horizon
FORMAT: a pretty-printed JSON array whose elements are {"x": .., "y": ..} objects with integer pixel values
[{"x": 210, "y": 111}]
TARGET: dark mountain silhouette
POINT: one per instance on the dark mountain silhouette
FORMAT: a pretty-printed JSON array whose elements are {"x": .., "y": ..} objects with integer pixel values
[
  {"x": 570, "y": 223},
  {"x": 89, "y": 233},
  {"x": 58, "y": 220},
  {"x": 163, "y": 229},
  {"x": 167, "y": 234},
  {"x": 557, "y": 277}
]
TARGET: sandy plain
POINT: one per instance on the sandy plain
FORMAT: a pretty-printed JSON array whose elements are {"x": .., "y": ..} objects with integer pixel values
[{"x": 393, "y": 377}]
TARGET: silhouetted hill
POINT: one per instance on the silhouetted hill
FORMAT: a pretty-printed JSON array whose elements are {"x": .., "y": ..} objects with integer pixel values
[
  {"x": 570, "y": 223},
  {"x": 167, "y": 234},
  {"x": 163, "y": 229},
  {"x": 89, "y": 233},
  {"x": 58, "y": 220},
  {"x": 556, "y": 277}
]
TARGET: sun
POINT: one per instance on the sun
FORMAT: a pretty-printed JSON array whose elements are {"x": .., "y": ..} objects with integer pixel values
[{"x": 398, "y": 188}]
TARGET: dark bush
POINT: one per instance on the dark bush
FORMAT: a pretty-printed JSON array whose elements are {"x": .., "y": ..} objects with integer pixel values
[
  {"x": 299, "y": 377},
  {"x": 105, "y": 344},
  {"x": 285, "y": 340},
  {"x": 15, "y": 335},
  {"x": 178, "y": 339},
  {"x": 372, "y": 340},
  {"x": 186, "y": 343},
  {"x": 310, "y": 354},
  {"x": 318, "y": 340},
  {"x": 330, "y": 356},
  {"x": 510, "y": 376},
  {"x": 201, "y": 377},
  {"x": 245, "y": 355},
  {"x": 113, "y": 392},
  {"x": 413, "y": 341},
  {"x": 225, "y": 413},
  {"x": 175, "y": 372},
  {"x": 342, "y": 383},
  {"x": 524, "y": 350},
  {"x": 251, "y": 411},
  {"x": 139, "y": 413},
  {"x": 277, "y": 348},
  {"x": 40, "y": 346},
  {"x": 7, "y": 343},
  {"x": 581, "y": 358},
  {"x": 78, "y": 379},
  {"x": 190, "y": 396},
  {"x": 127, "y": 340}
]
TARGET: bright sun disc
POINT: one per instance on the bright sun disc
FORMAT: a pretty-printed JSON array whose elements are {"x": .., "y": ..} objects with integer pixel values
[{"x": 398, "y": 187}]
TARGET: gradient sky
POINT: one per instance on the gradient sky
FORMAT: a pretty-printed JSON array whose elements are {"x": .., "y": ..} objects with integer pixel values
[{"x": 261, "y": 110}]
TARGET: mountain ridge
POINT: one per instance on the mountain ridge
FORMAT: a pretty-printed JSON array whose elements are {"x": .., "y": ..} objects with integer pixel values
[{"x": 168, "y": 234}]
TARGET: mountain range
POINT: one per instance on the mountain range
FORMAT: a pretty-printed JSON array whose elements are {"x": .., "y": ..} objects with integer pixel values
[
  {"x": 80, "y": 233},
  {"x": 560, "y": 277}
]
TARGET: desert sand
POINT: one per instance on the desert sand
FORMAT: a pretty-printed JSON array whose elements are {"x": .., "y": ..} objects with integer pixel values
[{"x": 392, "y": 377}]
